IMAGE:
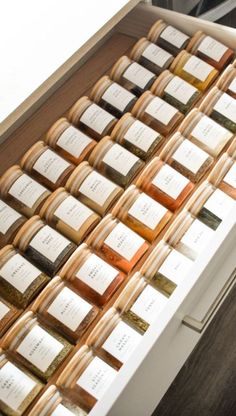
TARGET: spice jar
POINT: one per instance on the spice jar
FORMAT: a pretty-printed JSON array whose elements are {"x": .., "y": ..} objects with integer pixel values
[
  {"x": 43, "y": 245},
  {"x": 69, "y": 216},
  {"x": 176, "y": 91},
  {"x": 90, "y": 118},
  {"x": 46, "y": 166},
  {"x": 221, "y": 107},
  {"x": 186, "y": 157},
  {"x": 8, "y": 314},
  {"x": 223, "y": 176},
  {"x": 53, "y": 403},
  {"x": 94, "y": 279},
  {"x": 38, "y": 348},
  {"x": 112, "y": 96},
  {"x": 22, "y": 192},
  {"x": 140, "y": 303},
  {"x": 20, "y": 280},
  {"x": 227, "y": 81},
  {"x": 86, "y": 378},
  {"x": 113, "y": 340},
  {"x": 164, "y": 184},
  {"x": 10, "y": 223},
  {"x": 18, "y": 388},
  {"x": 210, "y": 50},
  {"x": 210, "y": 205},
  {"x": 131, "y": 75},
  {"x": 168, "y": 37},
  {"x": 69, "y": 142},
  {"x": 115, "y": 162},
  {"x": 136, "y": 136},
  {"x": 141, "y": 213},
  {"x": 205, "y": 132},
  {"x": 194, "y": 70},
  {"x": 156, "y": 113},
  {"x": 117, "y": 244},
  {"x": 151, "y": 56},
  {"x": 64, "y": 310},
  {"x": 231, "y": 151},
  {"x": 93, "y": 189},
  {"x": 166, "y": 267}
]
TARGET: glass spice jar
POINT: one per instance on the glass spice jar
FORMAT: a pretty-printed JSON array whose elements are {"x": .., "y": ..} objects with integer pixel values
[
  {"x": 187, "y": 158},
  {"x": 156, "y": 113},
  {"x": 22, "y": 192},
  {"x": 221, "y": 107},
  {"x": 168, "y": 37},
  {"x": 205, "y": 132},
  {"x": 166, "y": 267},
  {"x": 64, "y": 310},
  {"x": 141, "y": 213},
  {"x": 38, "y": 348},
  {"x": 164, "y": 184},
  {"x": 69, "y": 142},
  {"x": 175, "y": 91},
  {"x": 210, "y": 50},
  {"x": 8, "y": 315},
  {"x": 151, "y": 56},
  {"x": 91, "y": 119},
  {"x": 46, "y": 166},
  {"x": 132, "y": 76},
  {"x": 231, "y": 151},
  {"x": 115, "y": 162},
  {"x": 93, "y": 189},
  {"x": 43, "y": 245},
  {"x": 10, "y": 222},
  {"x": 112, "y": 96},
  {"x": 194, "y": 70},
  {"x": 117, "y": 244},
  {"x": 136, "y": 136},
  {"x": 20, "y": 280},
  {"x": 113, "y": 340},
  {"x": 210, "y": 205},
  {"x": 69, "y": 216},
  {"x": 94, "y": 278},
  {"x": 86, "y": 378},
  {"x": 18, "y": 388},
  {"x": 223, "y": 176},
  {"x": 140, "y": 303},
  {"x": 227, "y": 81}
]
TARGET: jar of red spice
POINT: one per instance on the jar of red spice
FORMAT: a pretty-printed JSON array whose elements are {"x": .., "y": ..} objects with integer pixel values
[{"x": 223, "y": 176}]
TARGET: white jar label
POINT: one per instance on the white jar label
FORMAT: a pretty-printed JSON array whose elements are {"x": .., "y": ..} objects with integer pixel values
[
  {"x": 138, "y": 75},
  {"x": 226, "y": 106},
  {"x": 230, "y": 177},
  {"x": 118, "y": 96},
  {"x": 15, "y": 386},
  {"x": 174, "y": 36},
  {"x": 19, "y": 272},
  {"x": 124, "y": 241},
  {"x": 96, "y": 378},
  {"x": 8, "y": 216},
  {"x": 161, "y": 111},
  {"x": 69, "y": 308},
  {"x": 62, "y": 411},
  {"x": 232, "y": 86},
  {"x": 180, "y": 90},
  {"x": 169, "y": 181},
  {"x": 190, "y": 156},
  {"x": 175, "y": 267},
  {"x": 96, "y": 118},
  {"x": 97, "y": 188},
  {"x": 220, "y": 204},
  {"x": 148, "y": 211},
  {"x": 122, "y": 342},
  {"x": 27, "y": 190},
  {"x": 210, "y": 133},
  {"x": 156, "y": 55},
  {"x": 141, "y": 135},
  {"x": 40, "y": 348},
  {"x": 197, "y": 236},
  {"x": 3, "y": 310},
  {"x": 73, "y": 213},
  {"x": 212, "y": 48},
  {"x": 49, "y": 243},
  {"x": 120, "y": 159},
  {"x": 73, "y": 141},
  {"x": 50, "y": 165},
  {"x": 149, "y": 304},
  {"x": 198, "y": 68},
  {"x": 97, "y": 274}
]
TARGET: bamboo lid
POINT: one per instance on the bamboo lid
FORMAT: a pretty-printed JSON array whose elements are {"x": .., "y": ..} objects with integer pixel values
[
  {"x": 119, "y": 67},
  {"x": 100, "y": 232},
  {"x": 99, "y": 151},
  {"x": 78, "y": 108},
  {"x": 32, "y": 152},
  {"x": 155, "y": 30},
  {"x": 43, "y": 401},
  {"x": 128, "y": 196},
  {"x": 100, "y": 87},
  {"x": 78, "y": 255},
  {"x": 54, "y": 199},
  {"x": 193, "y": 41},
  {"x": 78, "y": 175},
  {"x": 47, "y": 292},
  {"x": 26, "y": 230},
  {"x": 177, "y": 60},
  {"x": 104, "y": 326},
  {"x": 74, "y": 366},
  {"x": 123, "y": 123},
  {"x": 138, "y": 48},
  {"x": 56, "y": 130},
  {"x": 16, "y": 327},
  {"x": 131, "y": 291},
  {"x": 141, "y": 103}
]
